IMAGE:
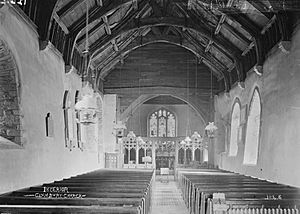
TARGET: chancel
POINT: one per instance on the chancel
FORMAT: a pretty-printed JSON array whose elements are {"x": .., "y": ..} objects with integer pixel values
[{"x": 150, "y": 106}]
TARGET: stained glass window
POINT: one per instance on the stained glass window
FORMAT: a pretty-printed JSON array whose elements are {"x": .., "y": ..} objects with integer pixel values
[{"x": 162, "y": 123}]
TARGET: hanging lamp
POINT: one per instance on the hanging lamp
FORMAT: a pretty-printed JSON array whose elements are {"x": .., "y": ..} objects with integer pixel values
[
  {"x": 87, "y": 105},
  {"x": 211, "y": 127},
  {"x": 187, "y": 139}
]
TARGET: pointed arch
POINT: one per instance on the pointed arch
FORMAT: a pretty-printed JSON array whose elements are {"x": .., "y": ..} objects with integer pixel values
[
  {"x": 253, "y": 130},
  {"x": 67, "y": 119},
  {"x": 235, "y": 126}
]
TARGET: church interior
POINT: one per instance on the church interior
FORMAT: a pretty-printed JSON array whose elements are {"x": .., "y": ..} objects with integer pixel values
[{"x": 107, "y": 105}]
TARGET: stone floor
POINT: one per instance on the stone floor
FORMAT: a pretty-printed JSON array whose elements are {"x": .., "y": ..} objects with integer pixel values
[{"x": 167, "y": 197}]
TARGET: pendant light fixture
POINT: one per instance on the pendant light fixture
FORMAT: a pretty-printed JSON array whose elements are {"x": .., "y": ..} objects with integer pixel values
[
  {"x": 187, "y": 139},
  {"x": 210, "y": 128},
  {"x": 87, "y": 105}
]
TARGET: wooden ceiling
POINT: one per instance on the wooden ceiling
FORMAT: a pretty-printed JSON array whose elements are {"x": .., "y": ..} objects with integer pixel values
[
  {"x": 160, "y": 65},
  {"x": 228, "y": 36}
]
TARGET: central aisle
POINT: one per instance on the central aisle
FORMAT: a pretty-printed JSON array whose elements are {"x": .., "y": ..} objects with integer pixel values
[{"x": 166, "y": 198}]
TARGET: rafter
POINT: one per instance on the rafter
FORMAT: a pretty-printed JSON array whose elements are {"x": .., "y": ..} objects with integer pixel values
[
  {"x": 207, "y": 48},
  {"x": 250, "y": 46},
  {"x": 268, "y": 25},
  {"x": 208, "y": 57},
  {"x": 254, "y": 31},
  {"x": 224, "y": 44},
  {"x": 115, "y": 45},
  {"x": 69, "y": 7},
  {"x": 126, "y": 41},
  {"x": 236, "y": 33},
  {"x": 97, "y": 12},
  {"x": 167, "y": 21},
  {"x": 91, "y": 32},
  {"x": 107, "y": 27},
  {"x": 201, "y": 51},
  {"x": 60, "y": 23},
  {"x": 221, "y": 21},
  {"x": 210, "y": 60},
  {"x": 261, "y": 7}
]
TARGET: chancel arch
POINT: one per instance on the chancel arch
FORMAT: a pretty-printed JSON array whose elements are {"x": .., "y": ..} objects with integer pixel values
[
  {"x": 235, "y": 126},
  {"x": 164, "y": 91},
  {"x": 253, "y": 130}
]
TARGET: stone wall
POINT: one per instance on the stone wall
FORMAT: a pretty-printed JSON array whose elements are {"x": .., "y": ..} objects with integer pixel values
[
  {"x": 10, "y": 126},
  {"x": 42, "y": 83},
  {"x": 279, "y": 148}
]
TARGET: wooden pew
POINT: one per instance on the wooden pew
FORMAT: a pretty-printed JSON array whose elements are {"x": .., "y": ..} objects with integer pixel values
[
  {"x": 102, "y": 191},
  {"x": 241, "y": 192}
]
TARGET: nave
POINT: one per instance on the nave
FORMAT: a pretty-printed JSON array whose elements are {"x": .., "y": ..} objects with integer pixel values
[{"x": 201, "y": 191}]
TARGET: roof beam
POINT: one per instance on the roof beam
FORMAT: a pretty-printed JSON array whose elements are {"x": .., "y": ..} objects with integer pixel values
[
  {"x": 261, "y": 7},
  {"x": 268, "y": 25},
  {"x": 69, "y": 7},
  {"x": 91, "y": 32},
  {"x": 107, "y": 38},
  {"x": 236, "y": 33},
  {"x": 221, "y": 21},
  {"x": 115, "y": 46},
  {"x": 164, "y": 38},
  {"x": 254, "y": 30},
  {"x": 224, "y": 44},
  {"x": 60, "y": 23},
  {"x": 167, "y": 21},
  {"x": 106, "y": 25},
  {"x": 121, "y": 47},
  {"x": 250, "y": 46},
  {"x": 208, "y": 57},
  {"x": 207, "y": 48},
  {"x": 96, "y": 13}
]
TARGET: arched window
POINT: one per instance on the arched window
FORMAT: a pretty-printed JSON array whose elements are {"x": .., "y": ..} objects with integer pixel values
[
  {"x": 234, "y": 132},
  {"x": 162, "y": 123},
  {"x": 68, "y": 119},
  {"x": 253, "y": 129},
  {"x": 49, "y": 125}
]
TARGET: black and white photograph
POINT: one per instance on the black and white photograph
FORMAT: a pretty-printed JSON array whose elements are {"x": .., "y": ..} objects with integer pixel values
[{"x": 149, "y": 106}]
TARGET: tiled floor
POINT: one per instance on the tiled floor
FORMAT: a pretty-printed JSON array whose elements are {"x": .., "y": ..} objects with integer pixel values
[{"x": 167, "y": 198}]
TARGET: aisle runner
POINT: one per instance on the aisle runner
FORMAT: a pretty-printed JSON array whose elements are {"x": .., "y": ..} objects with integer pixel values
[{"x": 167, "y": 198}]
